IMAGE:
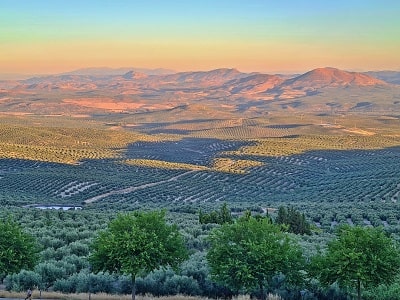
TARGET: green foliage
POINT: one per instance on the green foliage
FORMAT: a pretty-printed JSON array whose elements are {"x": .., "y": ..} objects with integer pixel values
[
  {"x": 79, "y": 249},
  {"x": 18, "y": 250},
  {"x": 167, "y": 282},
  {"x": 136, "y": 244},
  {"x": 248, "y": 253},
  {"x": 295, "y": 221},
  {"x": 84, "y": 282},
  {"x": 359, "y": 256},
  {"x": 49, "y": 272},
  {"x": 216, "y": 217},
  {"x": 22, "y": 281},
  {"x": 70, "y": 232},
  {"x": 384, "y": 291},
  {"x": 196, "y": 267}
]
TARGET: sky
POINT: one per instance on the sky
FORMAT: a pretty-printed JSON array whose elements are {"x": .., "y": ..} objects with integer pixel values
[{"x": 270, "y": 36}]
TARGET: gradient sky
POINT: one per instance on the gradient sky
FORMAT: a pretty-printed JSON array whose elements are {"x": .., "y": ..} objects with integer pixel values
[{"x": 251, "y": 35}]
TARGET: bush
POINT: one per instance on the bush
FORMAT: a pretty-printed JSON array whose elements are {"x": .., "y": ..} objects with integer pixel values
[
  {"x": 83, "y": 283},
  {"x": 79, "y": 249},
  {"x": 49, "y": 273},
  {"x": 383, "y": 292},
  {"x": 79, "y": 262},
  {"x": 178, "y": 284},
  {"x": 22, "y": 281},
  {"x": 166, "y": 282}
]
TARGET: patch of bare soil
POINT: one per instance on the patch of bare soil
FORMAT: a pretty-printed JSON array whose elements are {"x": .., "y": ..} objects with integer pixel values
[{"x": 104, "y": 103}]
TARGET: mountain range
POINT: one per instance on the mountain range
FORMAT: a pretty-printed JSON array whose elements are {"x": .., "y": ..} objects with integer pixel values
[{"x": 140, "y": 90}]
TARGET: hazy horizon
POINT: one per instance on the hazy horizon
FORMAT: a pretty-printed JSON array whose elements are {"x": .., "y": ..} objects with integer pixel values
[
  {"x": 47, "y": 37},
  {"x": 283, "y": 72}
]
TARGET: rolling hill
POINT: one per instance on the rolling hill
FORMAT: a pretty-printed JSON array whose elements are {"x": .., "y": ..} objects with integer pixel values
[
  {"x": 332, "y": 77},
  {"x": 93, "y": 91}
]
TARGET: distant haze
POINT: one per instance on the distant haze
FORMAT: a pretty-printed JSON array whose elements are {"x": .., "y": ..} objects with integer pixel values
[{"x": 252, "y": 36}]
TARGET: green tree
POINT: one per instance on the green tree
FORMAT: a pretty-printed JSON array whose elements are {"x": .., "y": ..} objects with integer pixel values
[
  {"x": 248, "y": 253},
  {"x": 293, "y": 220},
  {"x": 136, "y": 244},
  {"x": 49, "y": 272},
  {"x": 358, "y": 257},
  {"x": 282, "y": 217},
  {"x": 18, "y": 250},
  {"x": 22, "y": 281},
  {"x": 217, "y": 217},
  {"x": 225, "y": 215}
]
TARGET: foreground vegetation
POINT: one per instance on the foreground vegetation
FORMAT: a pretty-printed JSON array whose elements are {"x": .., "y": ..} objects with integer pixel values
[
  {"x": 137, "y": 244},
  {"x": 225, "y": 260}
]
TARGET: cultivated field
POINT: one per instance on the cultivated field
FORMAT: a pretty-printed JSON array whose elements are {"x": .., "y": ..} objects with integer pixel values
[{"x": 334, "y": 177}]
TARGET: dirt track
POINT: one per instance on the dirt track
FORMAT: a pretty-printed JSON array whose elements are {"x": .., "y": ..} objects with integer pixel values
[{"x": 134, "y": 188}]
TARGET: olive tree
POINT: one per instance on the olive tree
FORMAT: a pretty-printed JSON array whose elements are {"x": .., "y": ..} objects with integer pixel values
[
  {"x": 18, "y": 250},
  {"x": 359, "y": 256},
  {"x": 137, "y": 243},
  {"x": 250, "y": 252}
]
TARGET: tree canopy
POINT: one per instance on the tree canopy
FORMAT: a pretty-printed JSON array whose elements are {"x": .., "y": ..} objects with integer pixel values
[
  {"x": 294, "y": 220},
  {"x": 248, "y": 253},
  {"x": 18, "y": 250},
  {"x": 136, "y": 244},
  {"x": 359, "y": 256},
  {"x": 217, "y": 217}
]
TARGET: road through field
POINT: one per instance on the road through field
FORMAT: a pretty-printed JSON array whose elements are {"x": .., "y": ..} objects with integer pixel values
[{"x": 135, "y": 188}]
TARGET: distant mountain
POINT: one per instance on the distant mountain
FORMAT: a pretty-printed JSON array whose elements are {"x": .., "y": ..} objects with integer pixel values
[
  {"x": 58, "y": 79},
  {"x": 131, "y": 75},
  {"x": 14, "y": 76},
  {"x": 201, "y": 93},
  {"x": 59, "y": 82},
  {"x": 331, "y": 77},
  {"x": 230, "y": 80},
  {"x": 254, "y": 84},
  {"x": 211, "y": 78},
  {"x": 117, "y": 71},
  {"x": 392, "y": 77}
]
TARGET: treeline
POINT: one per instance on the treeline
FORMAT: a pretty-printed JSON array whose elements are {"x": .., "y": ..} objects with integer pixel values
[
  {"x": 291, "y": 219},
  {"x": 250, "y": 253}
]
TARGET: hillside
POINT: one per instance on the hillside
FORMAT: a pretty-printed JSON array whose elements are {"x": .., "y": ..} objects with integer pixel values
[
  {"x": 331, "y": 77},
  {"x": 392, "y": 77},
  {"x": 93, "y": 92}
]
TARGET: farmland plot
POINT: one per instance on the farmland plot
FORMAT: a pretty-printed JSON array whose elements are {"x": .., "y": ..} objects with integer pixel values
[
  {"x": 330, "y": 186},
  {"x": 188, "y": 150}
]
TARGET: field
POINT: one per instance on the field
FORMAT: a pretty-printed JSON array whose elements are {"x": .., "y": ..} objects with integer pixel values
[{"x": 334, "y": 177}]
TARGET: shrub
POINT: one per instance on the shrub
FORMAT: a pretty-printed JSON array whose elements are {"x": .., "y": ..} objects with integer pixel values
[{"x": 22, "y": 281}]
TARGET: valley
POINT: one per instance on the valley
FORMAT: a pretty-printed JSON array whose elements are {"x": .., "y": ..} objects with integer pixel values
[
  {"x": 326, "y": 143},
  {"x": 197, "y": 139}
]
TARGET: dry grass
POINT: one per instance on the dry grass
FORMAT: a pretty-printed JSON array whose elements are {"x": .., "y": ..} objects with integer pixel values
[
  {"x": 230, "y": 165},
  {"x": 227, "y": 165},
  {"x": 164, "y": 164},
  {"x": 102, "y": 296},
  {"x": 85, "y": 296}
]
